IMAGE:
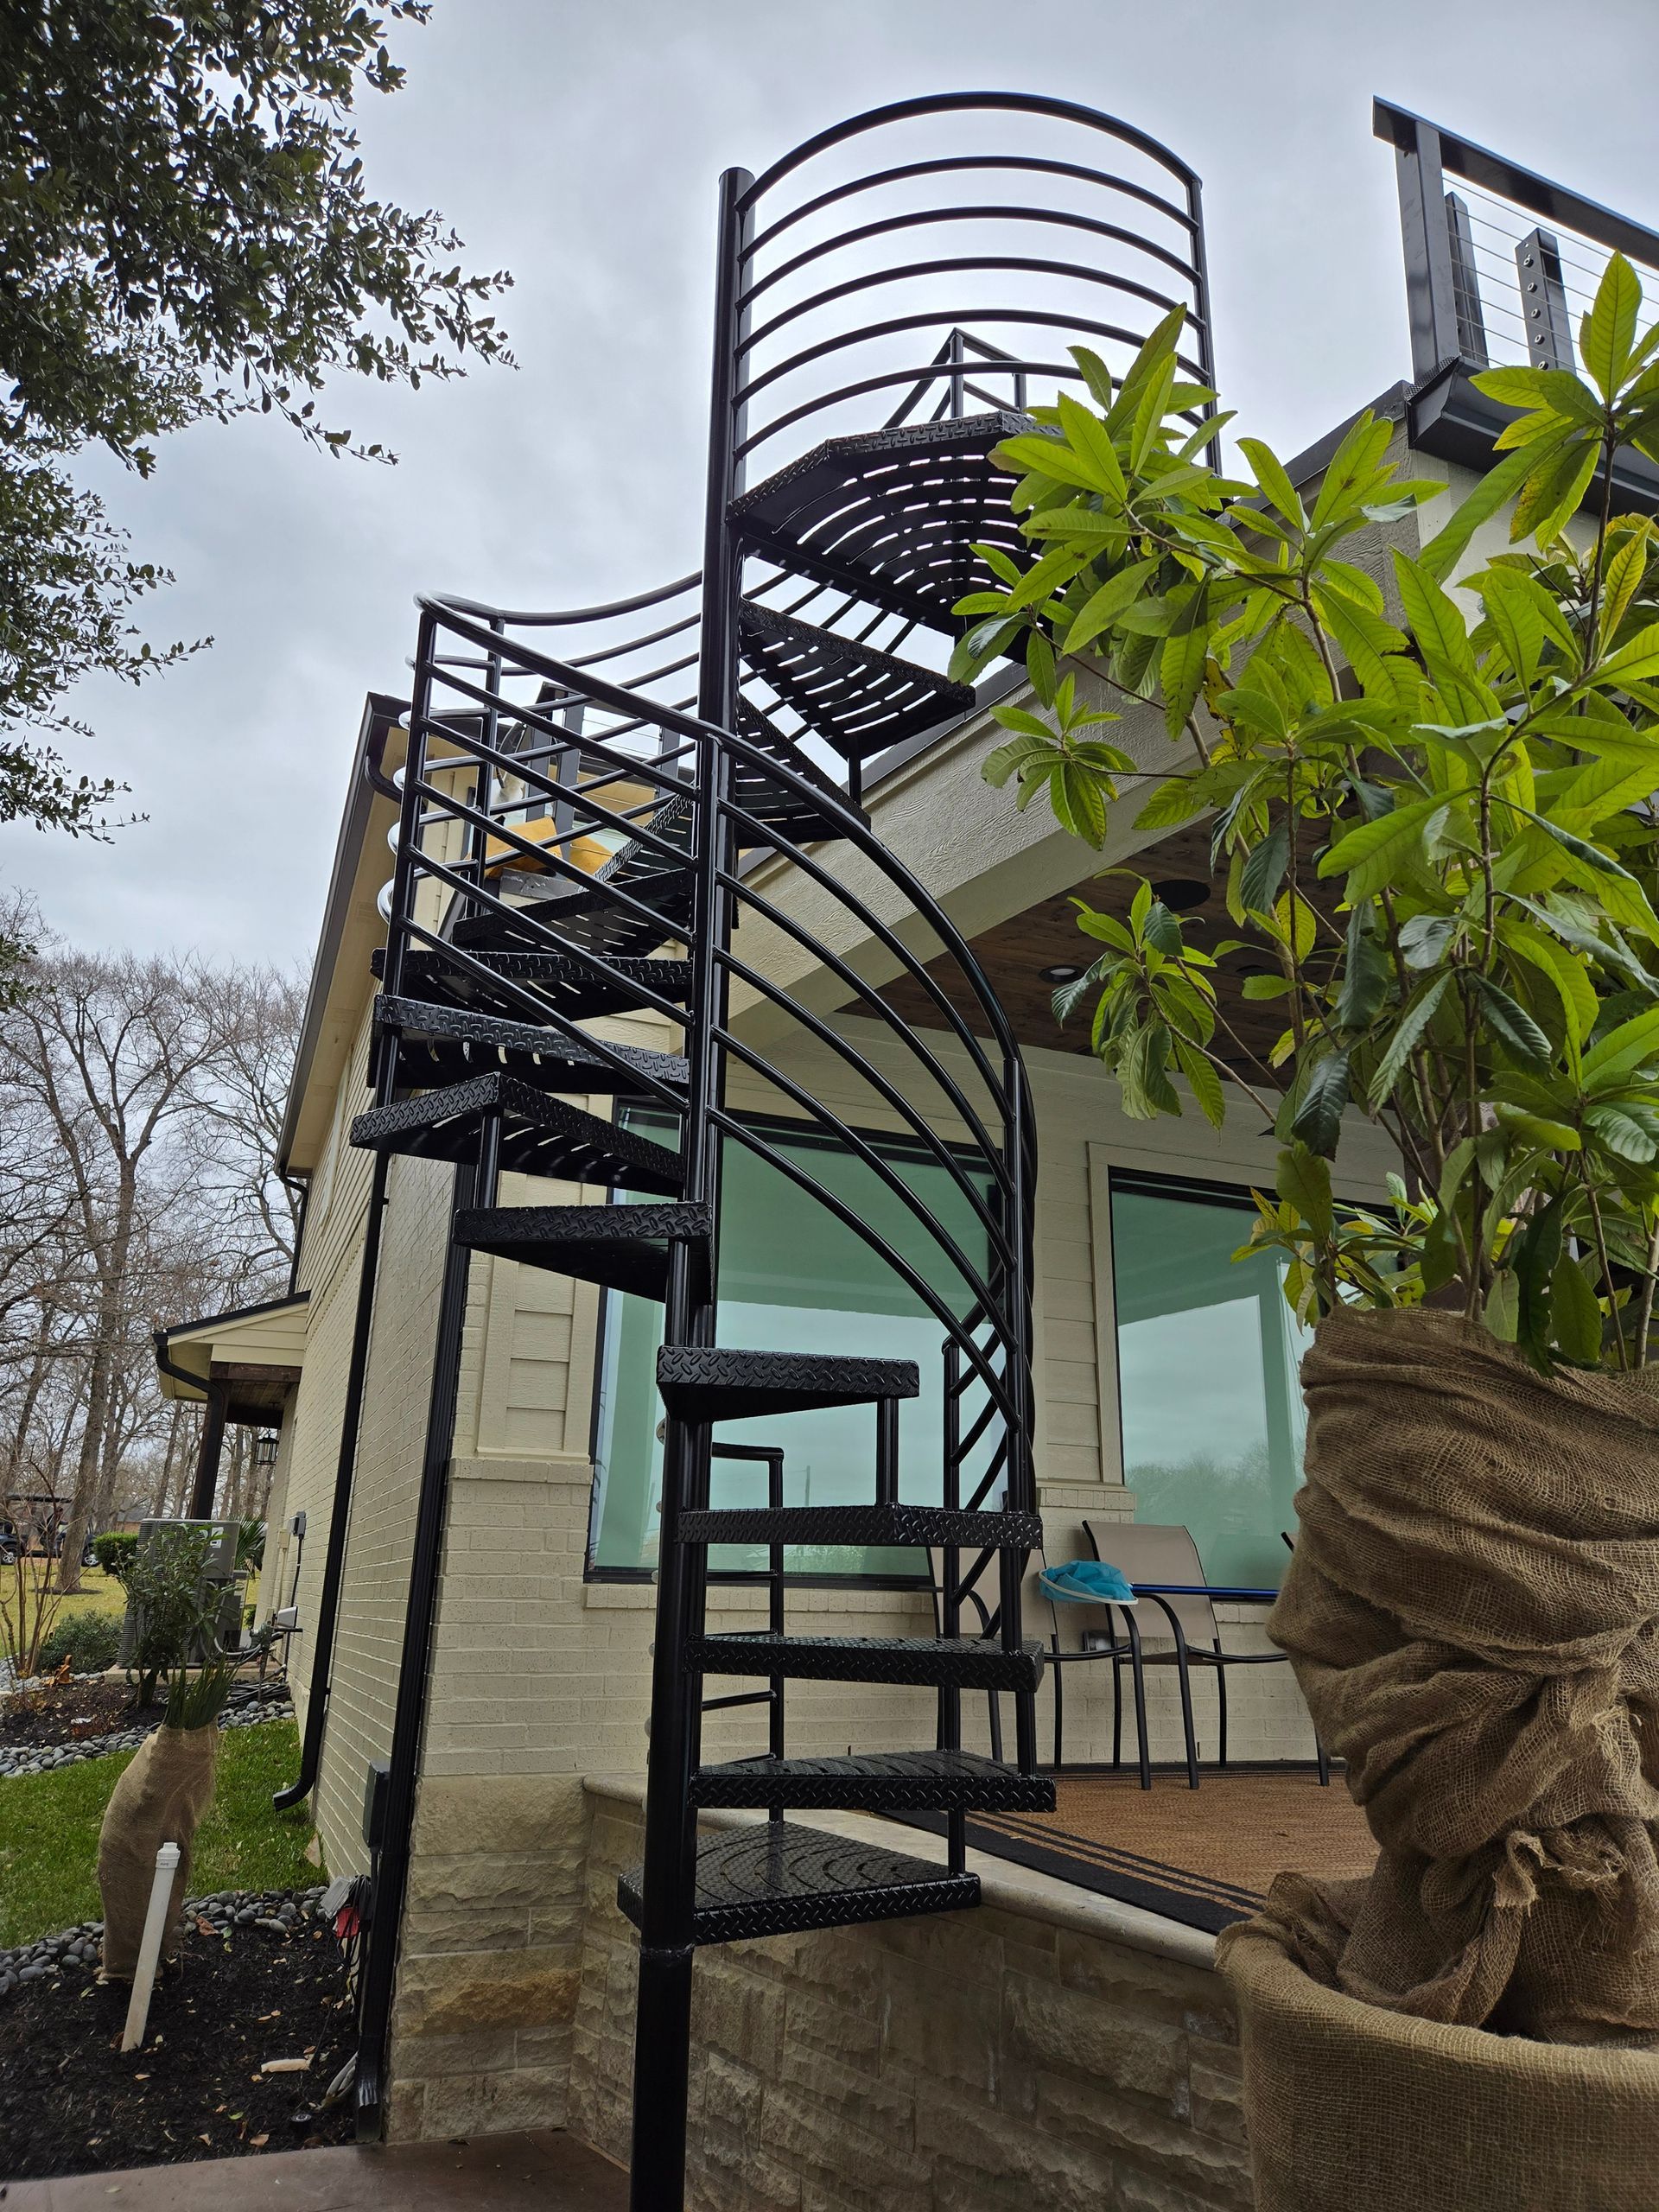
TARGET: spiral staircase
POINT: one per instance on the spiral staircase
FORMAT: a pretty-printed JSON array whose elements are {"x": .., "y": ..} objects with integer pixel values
[{"x": 581, "y": 836}]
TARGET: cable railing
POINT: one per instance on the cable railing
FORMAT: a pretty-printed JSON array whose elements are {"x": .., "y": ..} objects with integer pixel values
[{"x": 1501, "y": 264}]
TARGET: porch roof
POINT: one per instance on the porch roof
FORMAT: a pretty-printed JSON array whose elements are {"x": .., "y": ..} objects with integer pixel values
[{"x": 256, "y": 1350}]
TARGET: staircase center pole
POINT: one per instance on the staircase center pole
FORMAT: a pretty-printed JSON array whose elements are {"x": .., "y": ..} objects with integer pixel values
[{"x": 661, "y": 2049}]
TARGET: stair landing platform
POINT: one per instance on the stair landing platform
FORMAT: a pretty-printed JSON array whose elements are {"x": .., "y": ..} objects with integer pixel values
[{"x": 546, "y": 2171}]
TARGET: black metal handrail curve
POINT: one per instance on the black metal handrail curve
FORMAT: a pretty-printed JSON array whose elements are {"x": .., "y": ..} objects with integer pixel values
[
  {"x": 429, "y": 805},
  {"x": 931, "y": 103},
  {"x": 764, "y": 267}
]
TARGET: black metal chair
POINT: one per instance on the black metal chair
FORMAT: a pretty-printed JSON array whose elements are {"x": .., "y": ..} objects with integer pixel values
[
  {"x": 1107, "y": 1644},
  {"x": 1162, "y": 1566}
]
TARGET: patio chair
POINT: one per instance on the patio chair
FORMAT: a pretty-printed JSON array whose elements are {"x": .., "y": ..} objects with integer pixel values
[
  {"x": 1163, "y": 1565},
  {"x": 1094, "y": 1644}
]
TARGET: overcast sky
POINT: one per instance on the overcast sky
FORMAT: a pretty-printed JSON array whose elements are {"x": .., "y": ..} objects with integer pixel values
[{"x": 578, "y": 142}]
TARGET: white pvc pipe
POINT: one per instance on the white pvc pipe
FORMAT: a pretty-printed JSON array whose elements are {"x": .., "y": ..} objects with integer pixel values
[{"x": 150, "y": 1947}]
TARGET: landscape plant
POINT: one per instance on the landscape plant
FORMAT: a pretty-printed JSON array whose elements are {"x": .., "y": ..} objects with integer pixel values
[
  {"x": 163, "y": 1586},
  {"x": 87, "y": 1639},
  {"x": 1429, "y": 801},
  {"x": 1427, "y": 776}
]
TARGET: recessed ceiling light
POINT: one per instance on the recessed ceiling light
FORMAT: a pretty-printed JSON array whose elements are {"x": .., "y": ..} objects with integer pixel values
[
  {"x": 1059, "y": 974},
  {"x": 1181, "y": 894}
]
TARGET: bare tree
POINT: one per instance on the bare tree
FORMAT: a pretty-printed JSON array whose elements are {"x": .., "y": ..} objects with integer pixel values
[{"x": 114, "y": 1051}]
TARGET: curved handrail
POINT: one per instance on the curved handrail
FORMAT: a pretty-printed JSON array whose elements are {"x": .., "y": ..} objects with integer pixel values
[
  {"x": 1033, "y": 164},
  {"x": 468, "y": 708},
  {"x": 1156, "y": 222},
  {"x": 928, "y": 104}
]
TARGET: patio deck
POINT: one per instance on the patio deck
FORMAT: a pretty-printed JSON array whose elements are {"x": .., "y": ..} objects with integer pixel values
[{"x": 1203, "y": 1857}]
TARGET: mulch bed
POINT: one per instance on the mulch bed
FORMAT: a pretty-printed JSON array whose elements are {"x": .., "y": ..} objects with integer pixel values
[
  {"x": 73, "y": 2102},
  {"x": 71, "y": 1713}
]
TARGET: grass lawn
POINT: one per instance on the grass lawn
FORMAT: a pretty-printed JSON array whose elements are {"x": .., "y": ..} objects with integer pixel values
[
  {"x": 49, "y": 1823},
  {"x": 101, "y": 1592}
]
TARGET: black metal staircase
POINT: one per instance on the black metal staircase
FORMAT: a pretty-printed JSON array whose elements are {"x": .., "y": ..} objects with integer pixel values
[{"x": 580, "y": 838}]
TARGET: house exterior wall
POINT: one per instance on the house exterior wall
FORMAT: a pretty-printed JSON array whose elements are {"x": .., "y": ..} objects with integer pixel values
[{"x": 542, "y": 1678}]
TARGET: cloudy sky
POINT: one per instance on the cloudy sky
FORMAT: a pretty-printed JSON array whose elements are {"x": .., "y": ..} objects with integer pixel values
[{"x": 577, "y": 143}]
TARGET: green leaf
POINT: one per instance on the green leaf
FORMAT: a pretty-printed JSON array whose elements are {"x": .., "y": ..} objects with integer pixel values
[
  {"x": 1171, "y": 804},
  {"x": 1276, "y": 486},
  {"x": 1102, "y": 610},
  {"x": 1640, "y": 657},
  {"x": 1260, "y": 987},
  {"x": 1622, "y": 1049},
  {"x": 1592, "y": 856},
  {"x": 1050, "y": 457},
  {"x": 1425, "y": 937},
  {"x": 1181, "y": 668},
  {"x": 1365, "y": 979},
  {"x": 1264, "y": 869},
  {"x": 979, "y": 647},
  {"x": 1502, "y": 1310},
  {"x": 1511, "y": 1023},
  {"x": 1512, "y": 387},
  {"x": 1574, "y": 1314},
  {"x": 1554, "y": 495},
  {"x": 1621, "y": 581},
  {"x": 1419, "y": 1013},
  {"x": 1319, "y": 1118},
  {"x": 1204, "y": 1083},
  {"x": 1303, "y": 1180},
  {"x": 1377, "y": 847},
  {"x": 1622, "y": 1134},
  {"x": 1495, "y": 490},
  {"x": 1577, "y": 993},
  {"x": 1608, "y": 331}
]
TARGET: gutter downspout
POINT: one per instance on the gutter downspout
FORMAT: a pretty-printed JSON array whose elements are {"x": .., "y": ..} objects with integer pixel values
[{"x": 334, "y": 1565}]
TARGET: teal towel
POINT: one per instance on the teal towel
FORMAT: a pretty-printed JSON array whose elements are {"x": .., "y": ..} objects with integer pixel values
[{"x": 1087, "y": 1582}]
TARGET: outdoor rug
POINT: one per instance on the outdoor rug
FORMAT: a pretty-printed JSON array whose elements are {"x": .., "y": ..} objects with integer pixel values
[{"x": 1203, "y": 1857}]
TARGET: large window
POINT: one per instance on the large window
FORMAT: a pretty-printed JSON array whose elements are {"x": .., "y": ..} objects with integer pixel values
[
  {"x": 1207, "y": 1352},
  {"x": 793, "y": 1277}
]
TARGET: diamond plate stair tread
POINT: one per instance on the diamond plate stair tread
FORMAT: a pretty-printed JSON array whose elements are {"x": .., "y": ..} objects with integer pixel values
[
  {"x": 550, "y": 1049},
  {"x": 891, "y": 1528},
  {"x": 723, "y": 1382},
  {"x": 624, "y": 1248},
  {"x": 779, "y": 1876},
  {"x": 540, "y": 1135},
  {"x": 893, "y": 515},
  {"x": 856, "y": 698},
  {"x": 875, "y": 1781},
  {"x": 962, "y": 1662},
  {"x": 568, "y": 985}
]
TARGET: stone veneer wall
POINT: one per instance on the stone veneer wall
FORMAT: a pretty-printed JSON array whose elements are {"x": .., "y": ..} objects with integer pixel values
[{"x": 1021, "y": 2058}]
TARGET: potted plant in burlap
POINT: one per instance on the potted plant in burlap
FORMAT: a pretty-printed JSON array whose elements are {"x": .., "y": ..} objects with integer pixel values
[
  {"x": 1433, "y": 811},
  {"x": 164, "y": 1795}
]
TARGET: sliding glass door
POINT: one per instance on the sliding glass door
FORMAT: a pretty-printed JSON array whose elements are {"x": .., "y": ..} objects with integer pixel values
[{"x": 1207, "y": 1354}]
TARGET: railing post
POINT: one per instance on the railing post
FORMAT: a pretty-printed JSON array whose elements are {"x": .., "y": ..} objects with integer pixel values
[
  {"x": 403, "y": 873},
  {"x": 1543, "y": 300},
  {"x": 662, "y": 2021},
  {"x": 1431, "y": 291}
]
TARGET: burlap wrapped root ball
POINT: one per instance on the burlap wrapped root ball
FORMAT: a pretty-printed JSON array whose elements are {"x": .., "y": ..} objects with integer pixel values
[
  {"x": 1471, "y": 1613},
  {"x": 161, "y": 1798}
]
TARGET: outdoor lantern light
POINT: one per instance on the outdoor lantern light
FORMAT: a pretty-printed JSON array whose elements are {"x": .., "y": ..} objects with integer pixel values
[{"x": 264, "y": 1450}]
